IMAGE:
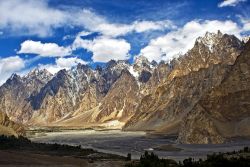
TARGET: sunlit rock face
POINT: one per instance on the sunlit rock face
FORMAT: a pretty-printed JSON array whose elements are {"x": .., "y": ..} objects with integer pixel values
[
  {"x": 41, "y": 98},
  {"x": 17, "y": 92},
  {"x": 193, "y": 75},
  {"x": 226, "y": 108},
  {"x": 8, "y": 127},
  {"x": 194, "y": 96},
  {"x": 121, "y": 100},
  {"x": 198, "y": 128},
  {"x": 208, "y": 50},
  {"x": 62, "y": 94}
]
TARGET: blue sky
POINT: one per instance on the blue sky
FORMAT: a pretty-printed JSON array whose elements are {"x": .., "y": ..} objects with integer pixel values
[{"x": 56, "y": 34}]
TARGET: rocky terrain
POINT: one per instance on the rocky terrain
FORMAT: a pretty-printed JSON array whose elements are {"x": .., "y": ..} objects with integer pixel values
[
  {"x": 193, "y": 74},
  {"x": 223, "y": 112},
  {"x": 202, "y": 96},
  {"x": 8, "y": 127},
  {"x": 17, "y": 92}
]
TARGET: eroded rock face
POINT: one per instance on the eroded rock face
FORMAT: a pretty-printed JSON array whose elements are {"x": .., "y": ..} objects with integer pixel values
[
  {"x": 168, "y": 105},
  {"x": 198, "y": 128},
  {"x": 8, "y": 127},
  {"x": 158, "y": 77},
  {"x": 121, "y": 100},
  {"x": 192, "y": 76},
  {"x": 62, "y": 95},
  {"x": 208, "y": 50},
  {"x": 16, "y": 94},
  {"x": 112, "y": 89},
  {"x": 227, "y": 106}
]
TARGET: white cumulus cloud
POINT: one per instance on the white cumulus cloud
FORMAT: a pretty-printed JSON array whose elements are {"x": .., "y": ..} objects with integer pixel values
[
  {"x": 62, "y": 63},
  {"x": 180, "y": 41},
  {"x": 69, "y": 62},
  {"x": 10, "y": 65},
  {"x": 104, "y": 48},
  {"x": 230, "y": 3},
  {"x": 44, "y": 49}
]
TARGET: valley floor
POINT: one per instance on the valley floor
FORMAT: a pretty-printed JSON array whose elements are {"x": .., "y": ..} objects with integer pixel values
[
  {"x": 13, "y": 158},
  {"x": 121, "y": 143},
  {"x": 22, "y": 152}
]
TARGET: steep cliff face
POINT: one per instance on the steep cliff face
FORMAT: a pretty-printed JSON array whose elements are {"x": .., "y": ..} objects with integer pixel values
[
  {"x": 73, "y": 92},
  {"x": 121, "y": 100},
  {"x": 227, "y": 107},
  {"x": 15, "y": 94},
  {"x": 167, "y": 106},
  {"x": 76, "y": 90},
  {"x": 62, "y": 95},
  {"x": 159, "y": 76},
  {"x": 143, "y": 70},
  {"x": 199, "y": 128},
  {"x": 8, "y": 127},
  {"x": 208, "y": 50},
  {"x": 192, "y": 76},
  {"x": 135, "y": 82},
  {"x": 109, "y": 74}
]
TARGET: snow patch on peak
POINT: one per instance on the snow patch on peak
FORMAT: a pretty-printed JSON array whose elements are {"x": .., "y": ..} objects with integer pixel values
[
  {"x": 245, "y": 39},
  {"x": 13, "y": 76},
  {"x": 119, "y": 66},
  {"x": 37, "y": 72},
  {"x": 42, "y": 74},
  {"x": 210, "y": 39},
  {"x": 140, "y": 60},
  {"x": 133, "y": 72}
]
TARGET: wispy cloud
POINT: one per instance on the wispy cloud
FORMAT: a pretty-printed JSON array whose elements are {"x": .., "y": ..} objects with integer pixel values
[
  {"x": 114, "y": 30},
  {"x": 29, "y": 17},
  {"x": 230, "y": 3},
  {"x": 245, "y": 22}
]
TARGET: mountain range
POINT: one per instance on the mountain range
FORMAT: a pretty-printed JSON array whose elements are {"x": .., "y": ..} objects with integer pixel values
[{"x": 202, "y": 96}]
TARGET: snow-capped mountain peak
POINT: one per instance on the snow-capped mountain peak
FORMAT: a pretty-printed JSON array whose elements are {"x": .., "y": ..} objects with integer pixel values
[
  {"x": 141, "y": 61},
  {"x": 39, "y": 73},
  {"x": 246, "y": 39},
  {"x": 210, "y": 39}
]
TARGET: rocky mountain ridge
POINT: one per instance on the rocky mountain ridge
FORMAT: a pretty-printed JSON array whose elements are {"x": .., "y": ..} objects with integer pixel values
[
  {"x": 224, "y": 112},
  {"x": 190, "y": 77},
  {"x": 163, "y": 97}
]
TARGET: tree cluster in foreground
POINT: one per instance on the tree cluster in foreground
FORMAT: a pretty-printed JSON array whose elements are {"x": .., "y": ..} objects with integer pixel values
[
  {"x": 22, "y": 143},
  {"x": 231, "y": 159}
]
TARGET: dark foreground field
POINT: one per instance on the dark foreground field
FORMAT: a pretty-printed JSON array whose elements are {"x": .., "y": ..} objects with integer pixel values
[
  {"x": 22, "y": 158},
  {"x": 22, "y": 152}
]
